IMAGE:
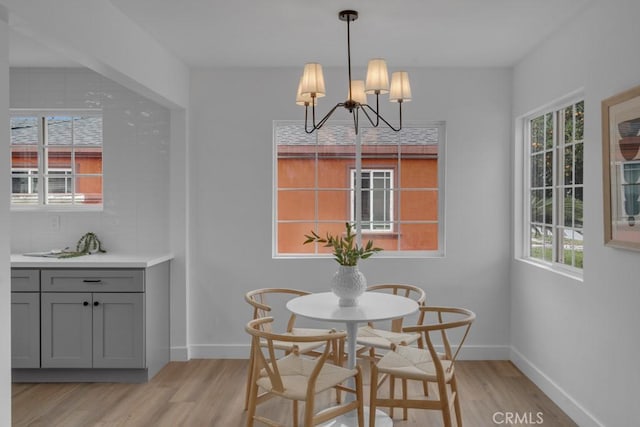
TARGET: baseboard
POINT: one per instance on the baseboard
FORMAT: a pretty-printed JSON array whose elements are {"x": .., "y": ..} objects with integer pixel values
[
  {"x": 179, "y": 354},
  {"x": 560, "y": 397},
  {"x": 241, "y": 351},
  {"x": 484, "y": 352},
  {"x": 219, "y": 351}
]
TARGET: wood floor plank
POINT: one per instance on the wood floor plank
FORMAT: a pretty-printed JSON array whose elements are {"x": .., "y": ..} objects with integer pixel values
[{"x": 202, "y": 393}]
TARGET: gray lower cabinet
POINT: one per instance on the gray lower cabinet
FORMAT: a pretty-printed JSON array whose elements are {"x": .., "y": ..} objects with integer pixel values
[
  {"x": 25, "y": 318},
  {"x": 92, "y": 330},
  {"x": 93, "y": 325},
  {"x": 25, "y": 329}
]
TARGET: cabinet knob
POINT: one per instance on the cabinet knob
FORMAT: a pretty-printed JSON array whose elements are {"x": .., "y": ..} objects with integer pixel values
[
  {"x": 85, "y": 303},
  {"x": 96, "y": 303}
]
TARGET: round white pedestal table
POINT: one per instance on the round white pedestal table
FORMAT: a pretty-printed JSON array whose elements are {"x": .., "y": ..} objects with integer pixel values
[{"x": 372, "y": 306}]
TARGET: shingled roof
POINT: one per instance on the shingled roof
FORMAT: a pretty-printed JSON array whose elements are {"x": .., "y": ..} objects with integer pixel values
[
  {"x": 87, "y": 130},
  {"x": 294, "y": 134}
]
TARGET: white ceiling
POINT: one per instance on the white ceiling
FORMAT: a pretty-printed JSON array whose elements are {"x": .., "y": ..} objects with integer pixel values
[{"x": 270, "y": 33}]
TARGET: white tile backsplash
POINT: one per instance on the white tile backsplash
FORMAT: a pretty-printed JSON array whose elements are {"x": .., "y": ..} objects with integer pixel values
[{"x": 136, "y": 154}]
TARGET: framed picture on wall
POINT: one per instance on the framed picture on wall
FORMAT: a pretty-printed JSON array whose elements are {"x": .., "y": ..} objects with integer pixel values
[{"x": 621, "y": 169}]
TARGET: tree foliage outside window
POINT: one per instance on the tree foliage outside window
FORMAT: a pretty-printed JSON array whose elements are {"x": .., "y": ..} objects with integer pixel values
[{"x": 555, "y": 152}]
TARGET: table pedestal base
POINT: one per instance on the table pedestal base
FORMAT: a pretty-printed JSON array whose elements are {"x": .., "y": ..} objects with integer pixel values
[{"x": 351, "y": 420}]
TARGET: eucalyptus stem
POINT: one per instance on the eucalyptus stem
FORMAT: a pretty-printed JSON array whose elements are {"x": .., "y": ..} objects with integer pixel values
[{"x": 345, "y": 249}]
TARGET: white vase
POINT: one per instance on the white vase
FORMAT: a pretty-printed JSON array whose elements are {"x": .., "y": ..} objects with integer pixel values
[{"x": 348, "y": 284}]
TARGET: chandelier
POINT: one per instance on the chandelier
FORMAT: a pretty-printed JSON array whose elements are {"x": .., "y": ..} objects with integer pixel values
[{"x": 311, "y": 87}]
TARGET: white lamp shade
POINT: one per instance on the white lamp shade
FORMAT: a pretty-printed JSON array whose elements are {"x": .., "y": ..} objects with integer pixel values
[
  {"x": 377, "y": 76},
  {"x": 304, "y": 99},
  {"x": 357, "y": 92},
  {"x": 400, "y": 88},
  {"x": 313, "y": 80}
]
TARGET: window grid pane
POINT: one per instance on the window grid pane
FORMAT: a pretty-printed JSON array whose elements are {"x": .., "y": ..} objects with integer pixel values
[
  {"x": 376, "y": 195},
  {"x": 50, "y": 146},
  {"x": 386, "y": 158},
  {"x": 556, "y": 192}
]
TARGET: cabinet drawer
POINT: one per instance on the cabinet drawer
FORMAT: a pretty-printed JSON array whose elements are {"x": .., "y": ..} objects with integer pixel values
[
  {"x": 112, "y": 280},
  {"x": 25, "y": 280}
]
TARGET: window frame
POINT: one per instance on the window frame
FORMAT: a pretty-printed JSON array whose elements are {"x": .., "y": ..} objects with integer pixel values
[
  {"x": 388, "y": 222},
  {"x": 31, "y": 174},
  {"x": 558, "y": 185},
  {"x": 42, "y": 205},
  {"x": 439, "y": 252}
]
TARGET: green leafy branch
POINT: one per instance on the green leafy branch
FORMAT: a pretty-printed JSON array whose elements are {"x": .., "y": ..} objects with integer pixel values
[{"x": 345, "y": 249}]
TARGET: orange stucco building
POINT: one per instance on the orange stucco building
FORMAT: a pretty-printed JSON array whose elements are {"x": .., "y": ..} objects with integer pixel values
[
  {"x": 315, "y": 193},
  {"x": 87, "y": 161}
]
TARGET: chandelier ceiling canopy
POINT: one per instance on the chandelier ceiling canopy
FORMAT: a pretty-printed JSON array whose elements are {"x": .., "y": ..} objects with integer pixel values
[{"x": 311, "y": 87}]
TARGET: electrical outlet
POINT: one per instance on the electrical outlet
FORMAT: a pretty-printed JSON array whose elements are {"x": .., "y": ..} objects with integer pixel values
[{"x": 54, "y": 222}]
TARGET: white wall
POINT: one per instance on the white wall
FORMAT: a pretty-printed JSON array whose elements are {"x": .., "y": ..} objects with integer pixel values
[
  {"x": 579, "y": 341},
  {"x": 5, "y": 226},
  {"x": 97, "y": 35},
  {"x": 136, "y": 136},
  {"x": 147, "y": 68},
  {"x": 231, "y": 133}
]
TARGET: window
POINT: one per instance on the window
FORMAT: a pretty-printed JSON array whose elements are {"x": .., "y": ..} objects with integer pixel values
[
  {"x": 376, "y": 200},
  {"x": 390, "y": 185},
  {"x": 554, "y": 147},
  {"x": 56, "y": 160},
  {"x": 24, "y": 181},
  {"x": 60, "y": 181}
]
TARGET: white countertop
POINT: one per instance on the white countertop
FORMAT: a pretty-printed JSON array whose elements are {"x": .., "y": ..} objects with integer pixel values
[{"x": 107, "y": 260}]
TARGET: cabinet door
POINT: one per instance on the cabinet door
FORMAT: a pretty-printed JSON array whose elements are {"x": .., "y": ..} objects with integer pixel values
[
  {"x": 66, "y": 330},
  {"x": 118, "y": 338},
  {"x": 25, "y": 330}
]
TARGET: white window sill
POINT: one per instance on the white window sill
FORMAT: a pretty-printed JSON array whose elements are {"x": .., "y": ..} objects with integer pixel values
[
  {"x": 576, "y": 275},
  {"x": 379, "y": 255},
  {"x": 48, "y": 208}
]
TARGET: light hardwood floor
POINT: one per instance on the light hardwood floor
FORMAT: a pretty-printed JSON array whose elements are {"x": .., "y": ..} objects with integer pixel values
[{"x": 211, "y": 393}]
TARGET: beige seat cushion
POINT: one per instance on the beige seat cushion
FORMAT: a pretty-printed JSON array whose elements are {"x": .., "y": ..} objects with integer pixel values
[
  {"x": 295, "y": 371},
  {"x": 412, "y": 363},
  {"x": 381, "y": 338}
]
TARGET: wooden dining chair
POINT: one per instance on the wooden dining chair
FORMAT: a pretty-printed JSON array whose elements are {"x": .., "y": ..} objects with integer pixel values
[
  {"x": 426, "y": 364},
  {"x": 371, "y": 338},
  {"x": 257, "y": 299},
  {"x": 297, "y": 377}
]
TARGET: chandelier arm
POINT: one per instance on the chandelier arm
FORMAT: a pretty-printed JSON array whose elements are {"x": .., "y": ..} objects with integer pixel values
[
  {"x": 377, "y": 109},
  {"x": 313, "y": 109},
  {"x": 322, "y": 121},
  {"x": 306, "y": 113},
  {"x": 326, "y": 117},
  {"x": 306, "y": 110},
  {"x": 355, "y": 119},
  {"x": 375, "y": 125},
  {"x": 383, "y": 119}
]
